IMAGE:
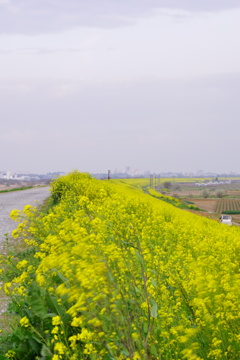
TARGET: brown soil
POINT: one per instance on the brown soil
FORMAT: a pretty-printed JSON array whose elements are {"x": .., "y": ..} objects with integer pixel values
[
  {"x": 236, "y": 219},
  {"x": 185, "y": 193},
  {"x": 20, "y": 184},
  {"x": 14, "y": 186},
  {"x": 4, "y": 187},
  {"x": 233, "y": 193},
  {"x": 205, "y": 204}
]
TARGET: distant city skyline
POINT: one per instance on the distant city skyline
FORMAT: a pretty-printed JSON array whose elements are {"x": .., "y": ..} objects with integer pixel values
[{"x": 131, "y": 172}]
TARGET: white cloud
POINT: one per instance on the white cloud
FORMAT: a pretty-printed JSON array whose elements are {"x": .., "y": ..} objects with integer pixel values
[
  {"x": 159, "y": 47},
  {"x": 42, "y": 16},
  {"x": 96, "y": 98}
]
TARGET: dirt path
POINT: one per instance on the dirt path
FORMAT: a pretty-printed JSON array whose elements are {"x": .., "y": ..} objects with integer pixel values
[{"x": 17, "y": 200}]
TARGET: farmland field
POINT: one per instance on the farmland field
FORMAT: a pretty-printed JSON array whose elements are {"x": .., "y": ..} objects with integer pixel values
[
  {"x": 227, "y": 205},
  {"x": 143, "y": 182},
  {"x": 184, "y": 187},
  {"x": 146, "y": 181},
  {"x": 205, "y": 204}
]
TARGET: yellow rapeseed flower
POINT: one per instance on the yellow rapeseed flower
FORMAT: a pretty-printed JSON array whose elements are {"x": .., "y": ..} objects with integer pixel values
[{"x": 24, "y": 322}]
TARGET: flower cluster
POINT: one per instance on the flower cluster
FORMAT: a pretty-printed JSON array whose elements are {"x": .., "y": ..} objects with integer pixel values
[{"x": 123, "y": 275}]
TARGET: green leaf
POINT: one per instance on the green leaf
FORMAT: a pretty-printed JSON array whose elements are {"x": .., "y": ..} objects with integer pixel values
[
  {"x": 52, "y": 303},
  {"x": 139, "y": 256},
  {"x": 45, "y": 351},
  {"x": 125, "y": 352},
  {"x": 128, "y": 244},
  {"x": 137, "y": 290},
  {"x": 19, "y": 334},
  {"x": 62, "y": 277},
  {"x": 153, "y": 282},
  {"x": 153, "y": 350},
  {"x": 2, "y": 357},
  {"x": 34, "y": 345},
  {"x": 38, "y": 307},
  {"x": 49, "y": 315},
  {"x": 145, "y": 327},
  {"x": 154, "y": 309},
  {"x": 153, "y": 271},
  {"x": 37, "y": 339}
]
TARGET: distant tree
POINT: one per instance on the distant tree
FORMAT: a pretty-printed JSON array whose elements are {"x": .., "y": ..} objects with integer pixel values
[
  {"x": 219, "y": 194},
  {"x": 205, "y": 194},
  {"x": 167, "y": 185}
]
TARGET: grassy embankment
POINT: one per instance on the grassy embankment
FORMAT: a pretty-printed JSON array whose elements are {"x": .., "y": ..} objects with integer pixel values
[
  {"x": 144, "y": 185},
  {"x": 110, "y": 272}
]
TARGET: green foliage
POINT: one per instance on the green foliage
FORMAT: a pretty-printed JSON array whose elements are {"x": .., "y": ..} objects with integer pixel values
[
  {"x": 73, "y": 183},
  {"x": 229, "y": 212},
  {"x": 33, "y": 337},
  {"x": 194, "y": 207},
  {"x": 17, "y": 189}
]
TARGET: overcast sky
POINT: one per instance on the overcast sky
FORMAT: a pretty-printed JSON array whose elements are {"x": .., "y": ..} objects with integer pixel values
[{"x": 103, "y": 84}]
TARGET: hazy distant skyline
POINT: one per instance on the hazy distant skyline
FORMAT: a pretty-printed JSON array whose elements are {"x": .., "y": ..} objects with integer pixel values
[{"x": 96, "y": 85}]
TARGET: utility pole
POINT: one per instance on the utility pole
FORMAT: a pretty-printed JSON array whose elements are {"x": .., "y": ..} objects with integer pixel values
[
  {"x": 158, "y": 182},
  {"x": 151, "y": 181},
  {"x": 155, "y": 187}
]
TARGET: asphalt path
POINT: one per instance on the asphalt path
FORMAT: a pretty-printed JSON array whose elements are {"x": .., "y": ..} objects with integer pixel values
[{"x": 17, "y": 200}]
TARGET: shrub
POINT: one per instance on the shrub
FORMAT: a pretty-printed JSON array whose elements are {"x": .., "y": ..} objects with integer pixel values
[
  {"x": 167, "y": 185},
  {"x": 229, "y": 212},
  {"x": 219, "y": 194},
  {"x": 205, "y": 194},
  {"x": 193, "y": 207}
]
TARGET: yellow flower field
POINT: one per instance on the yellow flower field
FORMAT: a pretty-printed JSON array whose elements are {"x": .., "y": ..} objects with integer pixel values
[
  {"x": 114, "y": 273},
  {"x": 145, "y": 182}
]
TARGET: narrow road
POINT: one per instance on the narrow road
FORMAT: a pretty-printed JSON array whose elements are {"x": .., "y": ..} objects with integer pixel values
[{"x": 17, "y": 200}]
